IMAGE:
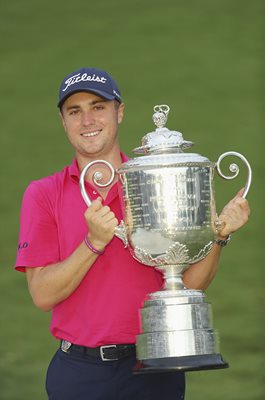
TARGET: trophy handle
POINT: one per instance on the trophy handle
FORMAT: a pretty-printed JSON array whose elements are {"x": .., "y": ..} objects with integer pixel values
[
  {"x": 120, "y": 230},
  {"x": 235, "y": 169}
]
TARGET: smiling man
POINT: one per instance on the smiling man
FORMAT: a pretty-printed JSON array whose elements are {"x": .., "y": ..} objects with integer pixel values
[{"x": 79, "y": 270}]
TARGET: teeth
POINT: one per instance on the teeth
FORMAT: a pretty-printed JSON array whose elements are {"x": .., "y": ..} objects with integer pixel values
[{"x": 90, "y": 134}]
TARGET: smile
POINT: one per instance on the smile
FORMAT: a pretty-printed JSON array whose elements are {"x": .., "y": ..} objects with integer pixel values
[{"x": 90, "y": 134}]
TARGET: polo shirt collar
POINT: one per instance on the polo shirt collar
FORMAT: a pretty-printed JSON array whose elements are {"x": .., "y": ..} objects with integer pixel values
[{"x": 73, "y": 170}]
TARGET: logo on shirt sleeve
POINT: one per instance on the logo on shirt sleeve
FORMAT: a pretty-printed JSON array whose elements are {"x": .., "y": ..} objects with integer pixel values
[{"x": 23, "y": 245}]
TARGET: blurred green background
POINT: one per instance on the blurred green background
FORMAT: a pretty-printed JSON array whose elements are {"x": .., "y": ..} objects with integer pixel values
[{"x": 205, "y": 58}]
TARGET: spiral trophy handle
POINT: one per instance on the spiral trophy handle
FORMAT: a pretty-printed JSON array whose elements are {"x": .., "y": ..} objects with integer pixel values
[
  {"x": 120, "y": 230},
  {"x": 97, "y": 177},
  {"x": 235, "y": 169}
]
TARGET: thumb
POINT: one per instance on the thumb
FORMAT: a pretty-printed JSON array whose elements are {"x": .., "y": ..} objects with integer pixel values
[
  {"x": 240, "y": 193},
  {"x": 96, "y": 204}
]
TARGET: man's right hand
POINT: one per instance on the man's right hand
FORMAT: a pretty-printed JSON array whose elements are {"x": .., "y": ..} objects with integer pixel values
[{"x": 101, "y": 223}]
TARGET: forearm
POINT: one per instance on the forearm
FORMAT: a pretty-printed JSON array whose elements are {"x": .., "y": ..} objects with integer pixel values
[
  {"x": 200, "y": 275},
  {"x": 52, "y": 284}
]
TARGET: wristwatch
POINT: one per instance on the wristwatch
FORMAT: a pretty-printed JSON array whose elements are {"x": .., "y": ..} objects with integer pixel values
[{"x": 223, "y": 242}]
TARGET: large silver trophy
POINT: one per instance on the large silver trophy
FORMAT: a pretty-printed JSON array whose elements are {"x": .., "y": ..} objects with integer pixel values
[{"x": 169, "y": 223}]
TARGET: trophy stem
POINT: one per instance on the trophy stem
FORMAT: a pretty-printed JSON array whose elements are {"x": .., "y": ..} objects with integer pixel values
[{"x": 173, "y": 276}]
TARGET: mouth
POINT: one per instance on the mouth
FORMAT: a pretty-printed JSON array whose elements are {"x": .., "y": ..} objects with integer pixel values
[{"x": 91, "y": 134}]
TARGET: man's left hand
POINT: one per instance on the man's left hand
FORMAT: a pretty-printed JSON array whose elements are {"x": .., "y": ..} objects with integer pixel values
[{"x": 233, "y": 216}]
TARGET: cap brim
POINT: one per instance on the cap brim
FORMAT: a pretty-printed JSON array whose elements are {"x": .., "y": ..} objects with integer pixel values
[{"x": 104, "y": 95}]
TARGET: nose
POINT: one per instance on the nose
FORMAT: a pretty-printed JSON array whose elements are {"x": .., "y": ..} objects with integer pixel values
[{"x": 88, "y": 118}]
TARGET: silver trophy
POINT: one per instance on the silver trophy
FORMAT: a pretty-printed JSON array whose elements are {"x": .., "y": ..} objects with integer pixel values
[{"x": 169, "y": 223}]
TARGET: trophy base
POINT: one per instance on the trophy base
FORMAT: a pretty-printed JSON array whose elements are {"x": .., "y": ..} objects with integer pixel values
[{"x": 174, "y": 364}]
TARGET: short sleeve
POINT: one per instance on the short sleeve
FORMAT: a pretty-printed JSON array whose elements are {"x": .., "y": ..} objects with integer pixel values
[{"x": 38, "y": 238}]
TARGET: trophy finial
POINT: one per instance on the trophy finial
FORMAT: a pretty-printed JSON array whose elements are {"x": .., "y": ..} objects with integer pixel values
[
  {"x": 160, "y": 115},
  {"x": 162, "y": 140}
]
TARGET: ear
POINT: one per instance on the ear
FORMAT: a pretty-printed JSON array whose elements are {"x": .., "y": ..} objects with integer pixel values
[{"x": 120, "y": 112}]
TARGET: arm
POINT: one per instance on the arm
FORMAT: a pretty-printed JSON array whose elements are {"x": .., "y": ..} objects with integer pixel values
[
  {"x": 52, "y": 284},
  {"x": 234, "y": 215}
]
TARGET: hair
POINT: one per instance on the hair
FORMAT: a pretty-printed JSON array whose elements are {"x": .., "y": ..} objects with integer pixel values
[{"x": 116, "y": 105}]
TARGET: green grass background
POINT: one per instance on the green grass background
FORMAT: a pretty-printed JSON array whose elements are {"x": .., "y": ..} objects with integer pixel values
[{"x": 205, "y": 58}]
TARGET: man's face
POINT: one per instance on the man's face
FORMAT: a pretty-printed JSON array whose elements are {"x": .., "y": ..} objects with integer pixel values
[{"x": 91, "y": 124}]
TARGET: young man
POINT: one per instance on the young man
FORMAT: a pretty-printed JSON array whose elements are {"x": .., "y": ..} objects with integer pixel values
[{"x": 77, "y": 268}]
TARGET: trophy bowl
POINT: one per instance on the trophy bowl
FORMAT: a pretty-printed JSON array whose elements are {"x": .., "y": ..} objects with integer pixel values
[{"x": 169, "y": 223}]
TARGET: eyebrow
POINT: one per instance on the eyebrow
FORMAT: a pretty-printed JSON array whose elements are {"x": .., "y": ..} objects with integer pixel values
[{"x": 91, "y": 103}]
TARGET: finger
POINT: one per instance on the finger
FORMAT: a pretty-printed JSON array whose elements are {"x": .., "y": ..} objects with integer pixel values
[
  {"x": 237, "y": 211},
  {"x": 110, "y": 218},
  {"x": 103, "y": 211},
  {"x": 240, "y": 193},
  {"x": 115, "y": 222},
  {"x": 96, "y": 204},
  {"x": 243, "y": 204},
  {"x": 108, "y": 223},
  {"x": 94, "y": 207},
  {"x": 240, "y": 201},
  {"x": 235, "y": 216}
]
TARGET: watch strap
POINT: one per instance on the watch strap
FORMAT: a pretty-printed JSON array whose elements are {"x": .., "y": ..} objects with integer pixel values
[{"x": 223, "y": 242}]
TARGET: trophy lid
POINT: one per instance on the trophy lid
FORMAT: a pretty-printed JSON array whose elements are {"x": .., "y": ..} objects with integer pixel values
[
  {"x": 163, "y": 147},
  {"x": 162, "y": 140}
]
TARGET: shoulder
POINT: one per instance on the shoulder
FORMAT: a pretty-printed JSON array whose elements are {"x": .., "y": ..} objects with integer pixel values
[{"x": 46, "y": 188}]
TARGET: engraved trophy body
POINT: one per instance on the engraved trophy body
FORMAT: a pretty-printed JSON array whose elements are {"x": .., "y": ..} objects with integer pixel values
[{"x": 169, "y": 216}]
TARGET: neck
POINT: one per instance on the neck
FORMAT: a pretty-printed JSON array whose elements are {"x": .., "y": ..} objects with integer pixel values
[{"x": 114, "y": 158}]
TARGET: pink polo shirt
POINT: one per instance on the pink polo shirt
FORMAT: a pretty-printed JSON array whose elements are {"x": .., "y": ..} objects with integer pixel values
[{"x": 104, "y": 309}]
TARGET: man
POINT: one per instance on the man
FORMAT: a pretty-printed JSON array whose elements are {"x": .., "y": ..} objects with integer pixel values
[{"x": 77, "y": 268}]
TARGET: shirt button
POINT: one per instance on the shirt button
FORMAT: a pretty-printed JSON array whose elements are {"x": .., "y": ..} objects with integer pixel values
[{"x": 94, "y": 192}]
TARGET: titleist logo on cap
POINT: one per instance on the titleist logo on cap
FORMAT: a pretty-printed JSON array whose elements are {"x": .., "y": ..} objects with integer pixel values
[{"x": 84, "y": 77}]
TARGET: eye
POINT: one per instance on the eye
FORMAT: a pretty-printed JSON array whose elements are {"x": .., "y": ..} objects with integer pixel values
[
  {"x": 74, "y": 112},
  {"x": 99, "y": 107}
]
